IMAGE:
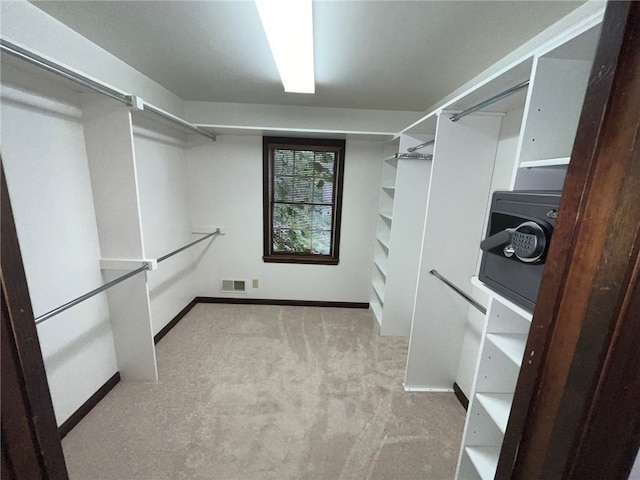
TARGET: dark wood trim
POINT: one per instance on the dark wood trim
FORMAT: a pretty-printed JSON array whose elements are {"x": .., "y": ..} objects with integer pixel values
[
  {"x": 301, "y": 259},
  {"x": 587, "y": 298},
  {"x": 318, "y": 144},
  {"x": 18, "y": 443},
  {"x": 36, "y": 436},
  {"x": 292, "y": 303},
  {"x": 158, "y": 336},
  {"x": 462, "y": 398},
  {"x": 87, "y": 406},
  {"x": 611, "y": 433}
]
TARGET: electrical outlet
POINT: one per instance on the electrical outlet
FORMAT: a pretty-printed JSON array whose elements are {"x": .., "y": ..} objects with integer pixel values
[{"x": 255, "y": 283}]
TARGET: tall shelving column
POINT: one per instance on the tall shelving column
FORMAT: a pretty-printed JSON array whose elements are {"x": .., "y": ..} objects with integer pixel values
[
  {"x": 403, "y": 199},
  {"x": 465, "y": 149},
  {"x": 383, "y": 229},
  {"x": 410, "y": 203}
]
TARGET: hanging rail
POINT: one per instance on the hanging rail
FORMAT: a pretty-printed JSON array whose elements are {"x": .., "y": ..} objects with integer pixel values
[
  {"x": 414, "y": 156},
  {"x": 163, "y": 258},
  {"x": 30, "y": 57},
  {"x": 458, "y": 291},
  {"x": 417, "y": 147},
  {"x": 178, "y": 121},
  {"x": 489, "y": 101},
  {"x": 129, "y": 100},
  {"x": 106, "y": 286},
  {"x": 87, "y": 296}
]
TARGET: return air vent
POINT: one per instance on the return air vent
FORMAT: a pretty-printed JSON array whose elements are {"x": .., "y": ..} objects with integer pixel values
[{"x": 237, "y": 286}]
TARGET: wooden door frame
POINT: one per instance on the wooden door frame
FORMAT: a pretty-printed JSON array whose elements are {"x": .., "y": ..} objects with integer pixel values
[
  {"x": 31, "y": 447},
  {"x": 575, "y": 413}
]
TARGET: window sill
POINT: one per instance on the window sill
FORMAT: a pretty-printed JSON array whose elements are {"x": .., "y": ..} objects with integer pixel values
[{"x": 315, "y": 260}]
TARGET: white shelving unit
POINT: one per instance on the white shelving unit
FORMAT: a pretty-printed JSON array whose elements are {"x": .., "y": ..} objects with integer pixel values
[
  {"x": 403, "y": 196},
  {"x": 451, "y": 238},
  {"x": 501, "y": 353},
  {"x": 484, "y": 460},
  {"x": 383, "y": 229},
  {"x": 553, "y": 104}
]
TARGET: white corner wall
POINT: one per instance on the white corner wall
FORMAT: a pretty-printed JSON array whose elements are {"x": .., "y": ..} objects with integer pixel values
[
  {"x": 163, "y": 188},
  {"x": 45, "y": 161},
  {"x": 225, "y": 182}
]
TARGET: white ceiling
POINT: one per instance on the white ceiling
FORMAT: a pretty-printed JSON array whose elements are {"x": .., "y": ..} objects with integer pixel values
[{"x": 389, "y": 55}]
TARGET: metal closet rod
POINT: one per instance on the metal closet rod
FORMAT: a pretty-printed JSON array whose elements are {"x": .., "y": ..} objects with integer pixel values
[
  {"x": 458, "y": 291},
  {"x": 418, "y": 147},
  {"x": 163, "y": 258},
  {"x": 178, "y": 121},
  {"x": 50, "y": 66},
  {"x": 37, "y": 60},
  {"x": 106, "y": 286},
  {"x": 489, "y": 101},
  {"x": 414, "y": 156}
]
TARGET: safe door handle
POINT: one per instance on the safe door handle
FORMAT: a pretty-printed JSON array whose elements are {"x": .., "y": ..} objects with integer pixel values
[{"x": 497, "y": 240}]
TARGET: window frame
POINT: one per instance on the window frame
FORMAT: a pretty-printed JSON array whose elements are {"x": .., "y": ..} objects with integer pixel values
[{"x": 316, "y": 144}]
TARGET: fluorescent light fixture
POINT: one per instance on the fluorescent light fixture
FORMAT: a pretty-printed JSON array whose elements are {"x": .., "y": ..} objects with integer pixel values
[{"x": 289, "y": 28}]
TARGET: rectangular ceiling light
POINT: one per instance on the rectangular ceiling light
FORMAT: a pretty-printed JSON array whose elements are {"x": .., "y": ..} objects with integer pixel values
[{"x": 289, "y": 28}]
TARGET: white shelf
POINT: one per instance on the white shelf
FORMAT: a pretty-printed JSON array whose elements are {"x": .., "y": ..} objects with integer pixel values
[
  {"x": 386, "y": 215},
  {"x": 498, "y": 406},
  {"x": 508, "y": 303},
  {"x": 382, "y": 268},
  {"x": 392, "y": 160},
  {"x": 378, "y": 287},
  {"x": 376, "y": 308},
  {"x": 511, "y": 344},
  {"x": 485, "y": 460},
  {"x": 548, "y": 162},
  {"x": 383, "y": 240},
  {"x": 389, "y": 188}
]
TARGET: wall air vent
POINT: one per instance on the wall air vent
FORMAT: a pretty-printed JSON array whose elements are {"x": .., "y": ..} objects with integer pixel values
[{"x": 233, "y": 286}]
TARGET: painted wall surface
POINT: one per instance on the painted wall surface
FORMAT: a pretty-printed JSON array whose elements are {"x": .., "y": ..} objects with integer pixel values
[
  {"x": 44, "y": 156},
  {"x": 161, "y": 167},
  {"x": 28, "y": 26},
  {"x": 225, "y": 182}
]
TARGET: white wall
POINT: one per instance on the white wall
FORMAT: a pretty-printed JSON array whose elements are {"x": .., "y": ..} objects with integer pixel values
[
  {"x": 26, "y": 25},
  {"x": 161, "y": 167},
  {"x": 43, "y": 153},
  {"x": 225, "y": 181}
]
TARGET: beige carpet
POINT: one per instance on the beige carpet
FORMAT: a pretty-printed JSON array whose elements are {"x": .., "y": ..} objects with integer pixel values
[{"x": 265, "y": 392}]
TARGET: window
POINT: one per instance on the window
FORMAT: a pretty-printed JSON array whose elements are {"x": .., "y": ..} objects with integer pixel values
[{"x": 302, "y": 199}]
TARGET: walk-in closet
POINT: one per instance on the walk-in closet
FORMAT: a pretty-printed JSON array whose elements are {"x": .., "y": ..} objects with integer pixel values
[{"x": 170, "y": 346}]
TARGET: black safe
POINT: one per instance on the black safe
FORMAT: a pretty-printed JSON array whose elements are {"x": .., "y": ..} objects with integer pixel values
[{"x": 515, "y": 248}]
